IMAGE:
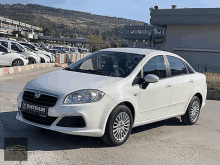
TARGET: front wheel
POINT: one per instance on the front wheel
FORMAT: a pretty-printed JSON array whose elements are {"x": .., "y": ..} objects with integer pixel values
[
  {"x": 118, "y": 126},
  {"x": 31, "y": 61},
  {"x": 192, "y": 113},
  {"x": 42, "y": 60}
]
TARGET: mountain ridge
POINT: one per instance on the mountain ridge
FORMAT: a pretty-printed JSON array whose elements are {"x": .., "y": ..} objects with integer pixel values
[{"x": 64, "y": 22}]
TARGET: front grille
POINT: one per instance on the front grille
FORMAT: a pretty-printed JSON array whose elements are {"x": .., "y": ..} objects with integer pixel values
[
  {"x": 44, "y": 100},
  {"x": 38, "y": 119},
  {"x": 72, "y": 121}
]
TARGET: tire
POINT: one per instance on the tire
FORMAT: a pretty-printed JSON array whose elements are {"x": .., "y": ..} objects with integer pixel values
[
  {"x": 17, "y": 62},
  {"x": 31, "y": 61},
  {"x": 118, "y": 127},
  {"x": 42, "y": 60},
  {"x": 192, "y": 113}
]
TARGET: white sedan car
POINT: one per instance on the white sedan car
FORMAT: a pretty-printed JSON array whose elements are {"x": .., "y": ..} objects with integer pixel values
[
  {"x": 107, "y": 93},
  {"x": 9, "y": 58}
]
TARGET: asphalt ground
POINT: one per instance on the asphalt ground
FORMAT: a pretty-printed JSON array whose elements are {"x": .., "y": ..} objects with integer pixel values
[{"x": 165, "y": 142}]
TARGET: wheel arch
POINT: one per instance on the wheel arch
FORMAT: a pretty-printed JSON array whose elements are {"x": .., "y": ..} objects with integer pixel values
[
  {"x": 130, "y": 106},
  {"x": 126, "y": 103},
  {"x": 32, "y": 58},
  {"x": 16, "y": 59},
  {"x": 200, "y": 98}
]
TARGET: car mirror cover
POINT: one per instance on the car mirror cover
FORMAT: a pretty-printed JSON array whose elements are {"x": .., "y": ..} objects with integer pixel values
[{"x": 151, "y": 78}]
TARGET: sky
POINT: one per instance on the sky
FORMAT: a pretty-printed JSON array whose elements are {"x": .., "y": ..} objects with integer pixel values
[{"x": 130, "y": 9}]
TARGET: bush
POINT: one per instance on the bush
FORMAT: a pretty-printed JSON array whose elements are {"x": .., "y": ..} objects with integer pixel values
[{"x": 213, "y": 81}]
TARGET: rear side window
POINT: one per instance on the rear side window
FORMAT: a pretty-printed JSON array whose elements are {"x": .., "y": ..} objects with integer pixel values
[
  {"x": 5, "y": 44},
  {"x": 176, "y": 66},
  {"x": 2, "y": 49},
  {"x": 155, "y": 66},
  {"x": 189, "y": 68}
]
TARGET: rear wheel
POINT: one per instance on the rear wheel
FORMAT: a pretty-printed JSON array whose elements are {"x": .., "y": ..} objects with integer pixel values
[
  {"x": 118, "y": 127},
  {"x": 192, "y": 113},
  {"x": 17, "y": 62}
]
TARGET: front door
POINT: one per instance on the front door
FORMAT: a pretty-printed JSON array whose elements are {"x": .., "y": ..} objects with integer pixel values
[{"x": 155, "y": 99}]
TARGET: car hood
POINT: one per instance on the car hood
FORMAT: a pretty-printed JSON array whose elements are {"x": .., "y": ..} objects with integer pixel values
[
  {"x": 31, "y": 53},
  {"x": 44, "y": 52},
  {"x": 63, "y": 82}
]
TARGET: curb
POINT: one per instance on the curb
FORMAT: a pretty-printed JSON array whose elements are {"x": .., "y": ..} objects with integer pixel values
[
  {"x": 213, "y": 95},
  {"x": 17, "y": 69}
]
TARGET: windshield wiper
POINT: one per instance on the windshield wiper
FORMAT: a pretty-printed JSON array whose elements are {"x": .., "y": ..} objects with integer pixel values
[
  {"x": 89, "y": 71},
  {"x": 67, "y": 69}
]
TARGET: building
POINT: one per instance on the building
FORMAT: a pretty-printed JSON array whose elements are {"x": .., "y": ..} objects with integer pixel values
[
  {"x": 193, "y": 33},
  {"x": 9, "y": 27},
  {"x": 145, "y": 36}
]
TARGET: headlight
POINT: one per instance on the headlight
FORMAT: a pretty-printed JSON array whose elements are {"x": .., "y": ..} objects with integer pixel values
[
  {"x": 84, "y": 96},
  {"x": 24, "y": 56}
]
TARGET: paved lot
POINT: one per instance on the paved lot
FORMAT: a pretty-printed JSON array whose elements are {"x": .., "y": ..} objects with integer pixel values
[{"x": 165, "y": 142}]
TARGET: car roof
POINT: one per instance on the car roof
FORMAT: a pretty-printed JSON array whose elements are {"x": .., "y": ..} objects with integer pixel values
[{"x": 133, "y": 50}]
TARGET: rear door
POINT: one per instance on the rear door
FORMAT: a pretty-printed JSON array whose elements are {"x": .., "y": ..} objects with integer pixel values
[{"x": 182, "y": 85}]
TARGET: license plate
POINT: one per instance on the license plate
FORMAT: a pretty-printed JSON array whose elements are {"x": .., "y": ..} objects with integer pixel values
[{"x": 34, "y": 109}]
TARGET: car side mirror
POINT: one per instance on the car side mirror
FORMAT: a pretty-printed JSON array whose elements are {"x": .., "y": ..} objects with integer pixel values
[
  {"x": 9, "y": 51},
  {"x": 151, "y": 78},
  {"x": 22, "y": 50}
]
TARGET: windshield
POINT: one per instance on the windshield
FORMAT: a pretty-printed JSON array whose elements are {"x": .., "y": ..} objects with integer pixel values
[
  {"x": 28, "y": 49},
  {"x": 57, "y": 48},
  {"x": 106, "y": 63}
]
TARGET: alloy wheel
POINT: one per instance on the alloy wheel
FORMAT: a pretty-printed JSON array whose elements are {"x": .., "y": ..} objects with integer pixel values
[
  {"x": 194, "y": 111},
  {"x": 121, "y": 126}
]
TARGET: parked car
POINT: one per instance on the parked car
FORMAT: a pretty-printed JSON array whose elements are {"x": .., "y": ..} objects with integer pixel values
[
  {"x": 66, "y": 48},
  {"x": 43, "y": 58},
  {"x": 18, "y": 48},
  {"x": 9, "y": 58},
  {"x": 83, "y": 50},
  {"x": 54, "y": 51},
  {"x": 40, "y": 51},
  {"x": 110, "y": 91}
]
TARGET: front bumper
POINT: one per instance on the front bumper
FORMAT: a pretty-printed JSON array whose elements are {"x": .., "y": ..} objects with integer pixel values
[
  {"x": 26, "y": 61},
  {"x": 52, "y": 59},
  {"x": 95, "y": 116}
]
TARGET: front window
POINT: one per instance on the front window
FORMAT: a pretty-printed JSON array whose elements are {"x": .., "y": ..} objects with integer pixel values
[
  {"x": 16, "y": 47},
  {"x": 155, "y": 66},
  {"x": 106, "y": 63}
]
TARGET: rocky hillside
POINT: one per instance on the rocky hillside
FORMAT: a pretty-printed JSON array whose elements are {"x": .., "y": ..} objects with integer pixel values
[{"x": 68, "y": 23}]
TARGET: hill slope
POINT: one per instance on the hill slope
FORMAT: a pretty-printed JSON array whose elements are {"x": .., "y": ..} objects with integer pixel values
[{"x": 68, "y": 23}]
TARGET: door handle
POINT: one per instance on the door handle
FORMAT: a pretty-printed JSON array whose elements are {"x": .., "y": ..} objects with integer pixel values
[
  {"x": 168, "y": 85},
  {"x": 191, "y": 80}
]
